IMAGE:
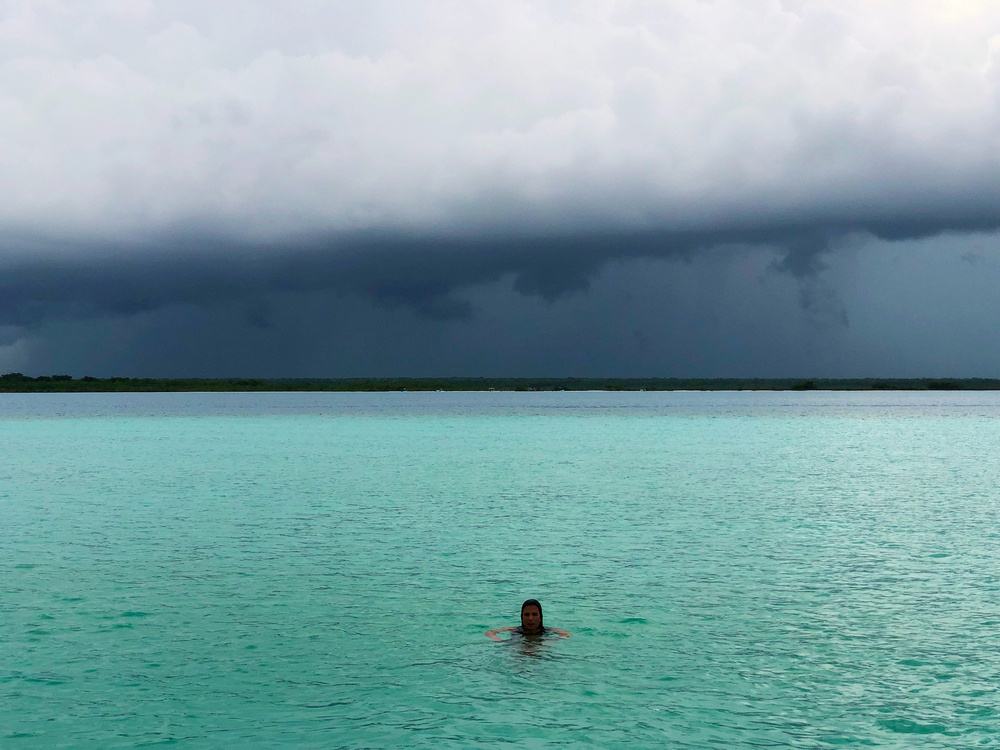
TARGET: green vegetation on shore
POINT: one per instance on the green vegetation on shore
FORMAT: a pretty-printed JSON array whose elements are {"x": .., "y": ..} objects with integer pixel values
[{"x": 17, "y": 383}]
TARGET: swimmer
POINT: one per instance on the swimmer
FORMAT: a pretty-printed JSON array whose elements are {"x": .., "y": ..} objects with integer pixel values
[{"x": 531, "y": 623}]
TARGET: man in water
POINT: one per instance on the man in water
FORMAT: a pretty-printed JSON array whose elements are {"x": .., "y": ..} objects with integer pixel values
[{"x": 531, "y": 623}]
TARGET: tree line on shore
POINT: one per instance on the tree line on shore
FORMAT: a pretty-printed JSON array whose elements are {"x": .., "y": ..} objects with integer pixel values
[{"x": 15, "y": 382}]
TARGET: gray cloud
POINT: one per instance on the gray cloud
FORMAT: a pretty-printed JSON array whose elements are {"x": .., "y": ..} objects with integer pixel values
[
  {"x": 261, "y": 119},
  {"x": 916, "y": 308},
  {"x": 158, "y": 155},
  {"x": 418, "y": 273}
]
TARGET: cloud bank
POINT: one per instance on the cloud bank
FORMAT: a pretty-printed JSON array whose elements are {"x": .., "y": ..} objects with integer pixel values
[{"x": 164, "y": 152}]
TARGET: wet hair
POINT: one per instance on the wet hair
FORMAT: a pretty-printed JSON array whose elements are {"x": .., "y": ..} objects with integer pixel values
[{"x": 541, "y": 618}]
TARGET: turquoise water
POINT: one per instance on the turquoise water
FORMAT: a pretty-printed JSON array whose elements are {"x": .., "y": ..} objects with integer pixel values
[{"x": 317, "y": 570}]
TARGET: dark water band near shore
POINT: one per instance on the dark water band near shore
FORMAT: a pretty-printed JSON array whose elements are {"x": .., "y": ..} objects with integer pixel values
[{"x": 18, "y": 383}]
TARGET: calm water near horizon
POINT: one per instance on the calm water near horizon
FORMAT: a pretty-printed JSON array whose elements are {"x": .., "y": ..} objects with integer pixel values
[{"x": 751, "y": 569}]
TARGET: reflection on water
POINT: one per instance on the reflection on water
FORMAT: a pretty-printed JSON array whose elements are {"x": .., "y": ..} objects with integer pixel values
[{"x": 540, "y": 646}]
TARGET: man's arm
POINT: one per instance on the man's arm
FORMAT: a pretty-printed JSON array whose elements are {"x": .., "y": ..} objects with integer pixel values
[{"x": 560, "y": 632}]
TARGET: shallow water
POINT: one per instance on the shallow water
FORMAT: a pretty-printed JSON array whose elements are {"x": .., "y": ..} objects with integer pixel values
[{"x": 737, "y": 569}]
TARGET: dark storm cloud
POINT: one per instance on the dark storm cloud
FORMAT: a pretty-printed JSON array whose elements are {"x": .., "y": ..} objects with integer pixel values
[
  {"x": 916, "y": 309},
  {"x": 160, "y": 154},
  {"x": 417, "y": 273}
]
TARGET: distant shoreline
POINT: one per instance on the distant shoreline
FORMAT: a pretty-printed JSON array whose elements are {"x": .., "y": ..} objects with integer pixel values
[{"x": 18, "y": 383}]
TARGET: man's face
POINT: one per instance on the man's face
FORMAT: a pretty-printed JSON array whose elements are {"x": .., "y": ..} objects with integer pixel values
[{"x": 531, "y": 618}]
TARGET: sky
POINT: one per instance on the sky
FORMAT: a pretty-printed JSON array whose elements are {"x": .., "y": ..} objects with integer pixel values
[{"x": 307, "y": 188}]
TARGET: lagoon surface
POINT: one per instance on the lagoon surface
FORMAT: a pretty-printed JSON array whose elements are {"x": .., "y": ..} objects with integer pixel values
[{"x": 750, "y": 569}]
